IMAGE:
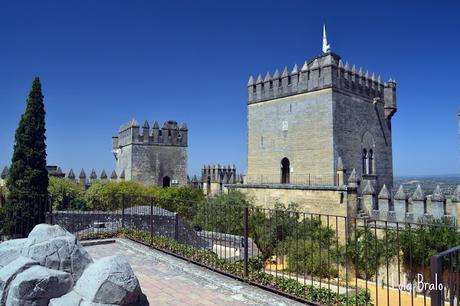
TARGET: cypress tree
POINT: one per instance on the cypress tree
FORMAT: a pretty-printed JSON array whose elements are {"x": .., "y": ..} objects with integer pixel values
[{"x": 28, "y": 178}]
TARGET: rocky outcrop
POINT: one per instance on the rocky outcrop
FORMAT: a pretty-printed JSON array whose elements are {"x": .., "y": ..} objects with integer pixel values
[{"x": 50, "y": 267}]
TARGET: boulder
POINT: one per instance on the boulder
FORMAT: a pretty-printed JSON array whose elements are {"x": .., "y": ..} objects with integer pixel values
[
  {"x": 70, "y": 299},
  {"x": 43, "y": 268},
  {"x": 109, "y": 280},
  {"x": 55, "y": 248},
  {"x": 10, "y": 250},
  {"x": 37, "y": 285},
  {"x": 10, "y": 271}
]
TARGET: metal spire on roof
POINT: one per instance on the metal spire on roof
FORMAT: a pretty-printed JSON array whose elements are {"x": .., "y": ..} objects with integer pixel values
[{"x": 326, "y": 46}]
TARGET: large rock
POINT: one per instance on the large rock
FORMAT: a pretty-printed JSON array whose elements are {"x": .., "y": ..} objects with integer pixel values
[
  {"x": 37, "y": 285},
  {"x": 55, "y": 248},
  {"x": 10, "y": 271},
  {"x": 108, "y": 281},
  {"x": 10, "y": 250}
]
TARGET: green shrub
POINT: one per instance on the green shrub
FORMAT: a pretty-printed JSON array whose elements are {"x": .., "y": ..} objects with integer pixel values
[
  {"x": 66, "y": 194},
  {"x": 183, "y": 200},
  {"x": 419, "y": 243},
  {"x": 105, "y": 195},
  {"x": 223, "y": 213}
]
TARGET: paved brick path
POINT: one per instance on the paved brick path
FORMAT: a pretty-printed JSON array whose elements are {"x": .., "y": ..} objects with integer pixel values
[{"x": 167, "y": 280}]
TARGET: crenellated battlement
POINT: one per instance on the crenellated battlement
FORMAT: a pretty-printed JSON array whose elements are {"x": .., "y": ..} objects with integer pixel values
[
  {"x": 220, "y": 174},
  {"x": 401, "y": 206},
  {"x": 170, "y": 134},
  {"x": 324, "y": 71}
]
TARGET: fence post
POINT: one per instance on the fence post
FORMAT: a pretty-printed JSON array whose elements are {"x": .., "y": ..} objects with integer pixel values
[
  {"x": 246, "y": 235},
  {"x": 151, "y": 221},
  {"x": 436, "y": 271},
  {"x": 176, "y": 226},
  {"x": 122, "y": 211},
  {"x": 50, "y": 210}
]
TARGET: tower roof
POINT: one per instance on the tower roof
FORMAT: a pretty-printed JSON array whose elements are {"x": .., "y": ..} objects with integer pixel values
[
  {"x": 369, "y": 189},
  {"x": 93, "y": 174},
  {"x": 82, "y": 174},
  {"x": 71, "y": 174},
  {"x": 339, "y": 164},
  {"x": 113, "y": 176},
  {"x": 384, "y": 193},
  {"x": 353, "y": 178},
  {"x": 456, "y": 194},
  {"x": 401, "y": 194},
  {"x": 418, "y": 194},
  {"x": 103, "y": 175},
  {"x": 251, "y": 81},
  {"x": 438, "y": 195}
]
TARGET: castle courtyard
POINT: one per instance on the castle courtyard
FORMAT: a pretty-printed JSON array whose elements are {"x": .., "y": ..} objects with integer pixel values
[{"x": 167, "y": 280}]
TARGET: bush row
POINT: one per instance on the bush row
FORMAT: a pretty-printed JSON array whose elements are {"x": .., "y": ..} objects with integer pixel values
[{"x": 106, "y": 195}]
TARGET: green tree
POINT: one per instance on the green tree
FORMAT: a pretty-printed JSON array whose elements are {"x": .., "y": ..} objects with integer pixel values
[{"x": 27, "y": 181}]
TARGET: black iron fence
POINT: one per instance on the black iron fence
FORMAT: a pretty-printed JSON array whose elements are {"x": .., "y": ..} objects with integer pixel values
[
  {"x": 314, "y": 258},
  {"x": 445, "y": 283}
]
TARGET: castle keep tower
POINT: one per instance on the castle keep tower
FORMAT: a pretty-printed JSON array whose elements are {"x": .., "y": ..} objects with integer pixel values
[
  {"x": 155, "y": 156},
  {"x": 306, "y": 123}
]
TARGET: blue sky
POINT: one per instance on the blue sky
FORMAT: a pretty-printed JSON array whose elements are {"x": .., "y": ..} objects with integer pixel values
[{"x": 104, "y": 62}]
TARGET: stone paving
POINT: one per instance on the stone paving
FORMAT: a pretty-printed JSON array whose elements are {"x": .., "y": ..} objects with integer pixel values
[{"x": 167, "y": 280}]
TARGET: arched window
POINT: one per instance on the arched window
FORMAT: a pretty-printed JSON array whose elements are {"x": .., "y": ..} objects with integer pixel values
[
  {"x": 365, "y": 162},
  {"x": 166, "y": 182},
  {"x": 370, "y": 158},
  {"x": 285, "y": 171}
]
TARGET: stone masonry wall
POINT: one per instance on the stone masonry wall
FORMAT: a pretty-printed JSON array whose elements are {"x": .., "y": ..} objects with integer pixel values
[
  {"x": 353, "y": 117},
  {"x": 150, "y": 164},
  {"x": 297, "y": 127}
]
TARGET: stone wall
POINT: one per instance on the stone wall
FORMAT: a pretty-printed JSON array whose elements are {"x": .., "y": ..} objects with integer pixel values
[
  {"x": 150, "y": 164},
  {"x": 166, "y": 224}
]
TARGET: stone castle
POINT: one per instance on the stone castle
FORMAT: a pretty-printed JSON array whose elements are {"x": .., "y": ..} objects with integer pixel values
[
  {"x": 300, "y": 123},
  {"x": 157, "y": 156},
  {"x": 319, "y": 135}
]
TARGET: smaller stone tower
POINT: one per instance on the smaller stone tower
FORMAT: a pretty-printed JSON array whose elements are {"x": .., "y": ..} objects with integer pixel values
[{"x": 157, "y": 156}]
